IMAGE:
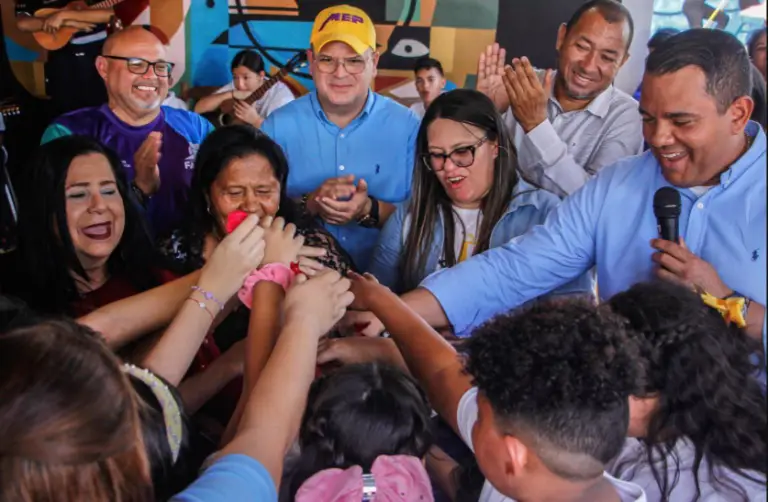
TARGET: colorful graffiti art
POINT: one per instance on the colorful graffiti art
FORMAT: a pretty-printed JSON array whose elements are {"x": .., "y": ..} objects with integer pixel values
[{"x": 406, "y": 30}]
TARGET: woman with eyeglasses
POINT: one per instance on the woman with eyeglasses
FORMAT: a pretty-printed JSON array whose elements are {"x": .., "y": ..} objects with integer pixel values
[{"x": 466, "y": 197}]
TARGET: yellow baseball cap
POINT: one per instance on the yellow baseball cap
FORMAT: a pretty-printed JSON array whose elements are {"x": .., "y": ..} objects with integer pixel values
[{"x": 343, "y": 23}]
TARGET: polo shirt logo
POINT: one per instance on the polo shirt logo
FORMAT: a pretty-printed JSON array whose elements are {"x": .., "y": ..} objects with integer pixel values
[
  {"x": 337, "y": 16},
  {"x": 755, "y": 254}
]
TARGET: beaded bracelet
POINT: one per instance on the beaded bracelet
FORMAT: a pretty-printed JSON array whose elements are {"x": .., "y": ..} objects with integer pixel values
[
  {"x": 202, "y": 305},
  {"x": 208, "y": 296}
]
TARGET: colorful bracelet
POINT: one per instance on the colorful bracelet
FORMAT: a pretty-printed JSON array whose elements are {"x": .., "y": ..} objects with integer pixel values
[{"x": 208, "y": 296}]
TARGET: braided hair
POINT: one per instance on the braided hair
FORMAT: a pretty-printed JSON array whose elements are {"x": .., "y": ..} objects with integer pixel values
[{"x": 700, "y": 369}]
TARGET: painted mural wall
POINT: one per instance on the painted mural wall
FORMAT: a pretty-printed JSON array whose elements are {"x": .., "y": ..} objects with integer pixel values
[{"x": 203, "y": 35}]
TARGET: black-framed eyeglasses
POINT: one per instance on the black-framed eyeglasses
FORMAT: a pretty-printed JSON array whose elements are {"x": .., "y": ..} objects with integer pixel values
[
  {"x": 353, "y": 65},
  {"x": 463, "y": 156},
  {"x": 139, "y": 66}
]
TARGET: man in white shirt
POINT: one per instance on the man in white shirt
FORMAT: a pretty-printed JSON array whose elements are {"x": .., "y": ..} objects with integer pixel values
[
  {"x": 541, "y": 397},
  {"x": 569, "y": 124},
  {"x": 248, "y": 76},
  {"x": 430, "y": 83}
]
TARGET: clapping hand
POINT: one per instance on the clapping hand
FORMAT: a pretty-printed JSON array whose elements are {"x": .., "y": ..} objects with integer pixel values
[
  {"x": 528, "y": 97},
  {"x": 145, "y": 163},
  {"x": 337, "y": 211},
  {"x": 490, "y": 70}
]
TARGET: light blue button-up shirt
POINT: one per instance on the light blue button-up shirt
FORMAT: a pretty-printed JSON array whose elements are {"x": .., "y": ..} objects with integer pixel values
[
  {"x": 609, "y": 223},
  {"x": 377, "y": 146}
]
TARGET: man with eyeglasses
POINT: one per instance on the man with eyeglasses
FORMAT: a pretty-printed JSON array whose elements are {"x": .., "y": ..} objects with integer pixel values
[
  {"x": 350, "y": 150},
  {"x": 156, "y": 144}
]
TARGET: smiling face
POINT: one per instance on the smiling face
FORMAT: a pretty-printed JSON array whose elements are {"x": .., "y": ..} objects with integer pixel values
[
  {"x": 590, "y": 55},
  {"x": 247, "y": 184},
  {"x": 465, "y": 186},
  {"x": 692, "y": 140},
  {"x": 429, "y": 84},
  {"x": 95, "y": 211},
  {"x": 134, "y": 97},
  {"x": 340, "y": 88},
  {"x": 246, "y": 80}
]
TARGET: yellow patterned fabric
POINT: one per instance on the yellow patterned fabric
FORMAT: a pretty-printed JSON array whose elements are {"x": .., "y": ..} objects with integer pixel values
[{"x": 732, "y": 309}]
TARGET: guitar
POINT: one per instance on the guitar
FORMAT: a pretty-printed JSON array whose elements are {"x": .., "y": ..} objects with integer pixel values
[
  {"x": 226, "y": 117},
  {"x": 62, "y": 36}
]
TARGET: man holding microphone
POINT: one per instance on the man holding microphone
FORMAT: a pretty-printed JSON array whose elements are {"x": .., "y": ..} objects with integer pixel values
[{"x": 696, "y": 106}]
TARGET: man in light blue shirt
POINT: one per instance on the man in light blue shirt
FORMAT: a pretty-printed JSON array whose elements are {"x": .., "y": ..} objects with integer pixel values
[
  {"x": 696, "y": 108},
  {"x": 350, "y": 150}
]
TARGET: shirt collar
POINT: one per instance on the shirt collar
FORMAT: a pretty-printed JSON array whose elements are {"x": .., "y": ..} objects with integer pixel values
[
  {"x": 754, "y": 155},
  {"x": 320, "y": 113},
  {"x": 599, "y": 106},
  {"x": 525, "y": 194}
]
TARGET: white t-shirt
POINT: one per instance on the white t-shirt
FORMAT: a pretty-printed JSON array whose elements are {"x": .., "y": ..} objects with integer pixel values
[
  {"x": 276, "y": 97},
  {"x": 175, "y": 102},
  {"x": 466, "y": 236},
  {"x": 418, "y": 109},
  {"x": 466, "y": 418},
  {"x": 632, "y": 465}
]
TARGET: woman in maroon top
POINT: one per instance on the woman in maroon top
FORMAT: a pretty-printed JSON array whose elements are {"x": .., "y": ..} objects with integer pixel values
[{"x": 82, "y": 240}]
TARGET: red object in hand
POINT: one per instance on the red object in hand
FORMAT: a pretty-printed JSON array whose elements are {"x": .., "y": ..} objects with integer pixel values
[
  {"x": 295, "y": 268},
  {"x": 359, "y": 327},
  {"x": 234, "y": 219}
]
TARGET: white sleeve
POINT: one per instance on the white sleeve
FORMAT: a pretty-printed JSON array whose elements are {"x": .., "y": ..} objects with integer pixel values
[
  {"x": 466, "y": 416},
  {"x": 227, "y": 88},
  {"x": 282, "y": 96}
]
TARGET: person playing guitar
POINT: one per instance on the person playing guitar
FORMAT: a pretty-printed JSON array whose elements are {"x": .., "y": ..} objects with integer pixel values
[
  {"x": 72, "y": 81},
  {"x": 247, "y": 76}
]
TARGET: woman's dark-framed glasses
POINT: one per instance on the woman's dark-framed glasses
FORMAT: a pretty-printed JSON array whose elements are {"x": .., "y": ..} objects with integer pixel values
[
  {"x": 139, "y": 66},
  {"x": 463, "y": 156}
]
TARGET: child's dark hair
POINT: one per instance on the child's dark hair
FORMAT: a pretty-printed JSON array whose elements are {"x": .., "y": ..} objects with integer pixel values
[
  {"x": 700, "y": 369},
  {"x": 356, "y": 414},
  {"x": 561, "y": 374},
  {"x": 249, "y": 59},
  {"x": 427, "y": 63}
]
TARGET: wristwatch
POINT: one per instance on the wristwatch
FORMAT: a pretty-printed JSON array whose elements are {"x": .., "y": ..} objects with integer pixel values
[
  {"x": 736, "y": 295},
  {"x": 371, "y": 220},
  {"x": 140, "y": 195}
]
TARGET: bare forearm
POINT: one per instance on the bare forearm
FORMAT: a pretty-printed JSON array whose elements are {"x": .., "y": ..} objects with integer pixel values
[
  {"x": 263, "y": 330},
  {"x": 29, "y": 24},
  {"x": 426, "y": 305},
  {"x": 119, "y": 323},
  {"x": 271, "y": 418},
  {"x": 430, "y": 358},
  {"x": 755, "y": 320},
  {"x": 212, "y": 102},
  {"x": 200, "y": 388},
  {"x": 95, "y": 16}
]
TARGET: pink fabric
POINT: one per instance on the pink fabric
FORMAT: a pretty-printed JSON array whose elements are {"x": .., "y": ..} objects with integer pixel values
[
  {"x": 398, "y": 478},
  {"x": 275, "y": 272}
]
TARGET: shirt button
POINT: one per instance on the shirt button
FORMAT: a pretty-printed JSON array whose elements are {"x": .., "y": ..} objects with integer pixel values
[
  {"x": 341, "y": 168},
  {"x": 700, "y": 205},
  {"x": 341, "y": 136}
]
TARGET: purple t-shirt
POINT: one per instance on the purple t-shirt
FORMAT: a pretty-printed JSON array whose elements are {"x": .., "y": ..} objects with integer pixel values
[{"x": 182, "y": 131}]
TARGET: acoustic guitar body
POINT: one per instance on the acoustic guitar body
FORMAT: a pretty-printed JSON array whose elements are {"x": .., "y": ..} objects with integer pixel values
[{"x": 63, "y": 35}]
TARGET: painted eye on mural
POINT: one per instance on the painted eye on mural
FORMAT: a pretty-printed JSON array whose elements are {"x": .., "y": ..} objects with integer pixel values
[{"x": 409, "y": 48}]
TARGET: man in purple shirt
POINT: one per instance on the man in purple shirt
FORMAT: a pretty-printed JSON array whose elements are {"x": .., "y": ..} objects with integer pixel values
[{"x": 156, "y": 144}]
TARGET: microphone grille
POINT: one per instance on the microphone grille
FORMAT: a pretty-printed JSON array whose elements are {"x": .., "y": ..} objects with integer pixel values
[{"x": 666, "y": 203}]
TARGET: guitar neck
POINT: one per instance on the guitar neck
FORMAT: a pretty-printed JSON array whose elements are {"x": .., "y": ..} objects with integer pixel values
[{"x": 266, "y": 86}]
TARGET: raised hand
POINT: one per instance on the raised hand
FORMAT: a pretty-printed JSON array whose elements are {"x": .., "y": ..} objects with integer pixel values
[
  {"x": 282, "y": 243},
  {"x": 233, "y": 259},
  {"x": 528, "y": 97},
  {"x": 490, "y": 69},
  {"x": 341, "y": 188},
  {"x": 145, "y": 163},
  {"x": 316, "y": 305}
]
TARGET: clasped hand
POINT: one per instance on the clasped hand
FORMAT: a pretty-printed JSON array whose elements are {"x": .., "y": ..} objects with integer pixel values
[
  {"x": 339, "y": 201},
  {"x": 676, "y": 263}
]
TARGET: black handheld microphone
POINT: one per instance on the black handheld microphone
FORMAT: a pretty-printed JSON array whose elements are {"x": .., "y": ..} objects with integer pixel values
[{"x": 666, "y": 207}]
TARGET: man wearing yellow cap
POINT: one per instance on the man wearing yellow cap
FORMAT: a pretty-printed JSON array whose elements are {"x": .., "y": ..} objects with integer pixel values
[{"x": 350, "y": 150}]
